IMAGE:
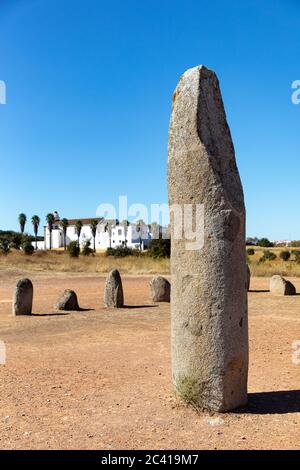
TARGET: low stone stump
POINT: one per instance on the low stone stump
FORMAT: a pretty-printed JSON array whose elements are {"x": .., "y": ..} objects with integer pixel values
[
  {"x": 23, "y": 297},
  {"x": 280, "y": 286},
  {"x": 68, "y": 301},
  {"x": 160, "y": 289},
  {"x": 113, "y": 292}
]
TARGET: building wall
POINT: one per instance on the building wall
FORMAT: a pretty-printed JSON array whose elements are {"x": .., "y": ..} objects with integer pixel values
[
  {"x": 40, "y": 245},
  {"x": 103, "y": 239}
]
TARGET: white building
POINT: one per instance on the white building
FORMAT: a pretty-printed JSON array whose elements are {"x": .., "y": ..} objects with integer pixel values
[
  {"x": 109, "y": 233},
  {"x": 281, "y": 242}
]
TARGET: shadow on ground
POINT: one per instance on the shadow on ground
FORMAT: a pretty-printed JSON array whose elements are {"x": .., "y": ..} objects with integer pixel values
[
  {"x": 140, "y": 306},
  {"x": 280, "y": 402},
  {"x": 259, "y": 291},
  {"x": 61, "y": 314},
  {"x": 268, "y": 291}
]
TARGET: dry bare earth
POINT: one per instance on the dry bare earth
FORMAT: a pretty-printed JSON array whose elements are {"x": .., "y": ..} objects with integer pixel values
[{"x": 101, "y": 378}]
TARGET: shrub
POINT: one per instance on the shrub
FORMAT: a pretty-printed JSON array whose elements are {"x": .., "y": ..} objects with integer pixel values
[
  {"x": 4, "y": 246},
  {"x": 296, "y": 254},
  {"x": 119, "y": 251},
  {"x": 16, "y": 241},
  {"x": 250, "y": 251},
  {"x": 265, "y": 243},
  {"x": 27, "y": 247},
  {"x": 285, "y": 255},
  {"x": 110, "y": 252},
  {"x": 251, "y": 241},
  {"x": 295, "y": 243},
  {"x": 86, "y": 249},
  {"x": 268, "y": 256},
  {"x": 73, "y": 249},
  {"x": 160, "y": 248}
]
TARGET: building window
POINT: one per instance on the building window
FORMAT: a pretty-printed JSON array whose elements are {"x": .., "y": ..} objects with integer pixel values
[{"x": 119, "y": 231}]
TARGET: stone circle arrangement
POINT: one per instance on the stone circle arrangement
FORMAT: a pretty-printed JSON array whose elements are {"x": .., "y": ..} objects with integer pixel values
[
  {"x": 159, "y": 288},
  {"x": 159, "y": 291}
]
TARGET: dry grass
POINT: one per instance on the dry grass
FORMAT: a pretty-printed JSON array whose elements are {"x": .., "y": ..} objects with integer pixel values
[
  {"x": 278, "y": 266},
  {"x": 269, "y": 268},
  {"x": 59, "y": 261}
]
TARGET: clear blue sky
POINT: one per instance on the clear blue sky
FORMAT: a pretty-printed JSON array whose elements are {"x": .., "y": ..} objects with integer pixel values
[{"x": 89, "y": 86}]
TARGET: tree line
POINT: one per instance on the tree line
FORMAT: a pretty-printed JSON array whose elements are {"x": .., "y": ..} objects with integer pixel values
[
  {"x": 50, "y": 221},
  {"x": 17, "y": 240}
]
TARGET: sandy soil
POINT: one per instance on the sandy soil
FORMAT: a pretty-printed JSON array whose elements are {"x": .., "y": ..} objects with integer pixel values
[{"x": 101, "y": 378}]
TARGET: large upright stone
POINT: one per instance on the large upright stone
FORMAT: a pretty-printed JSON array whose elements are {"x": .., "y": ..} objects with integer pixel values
[
  {"x": 23, "y": 297},
  {"x": 113, "y": 293},
  {"x": 209, "y": 278}
]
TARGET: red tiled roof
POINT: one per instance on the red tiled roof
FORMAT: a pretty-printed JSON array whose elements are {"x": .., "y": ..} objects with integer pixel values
[{"x": 87, "y": 221}]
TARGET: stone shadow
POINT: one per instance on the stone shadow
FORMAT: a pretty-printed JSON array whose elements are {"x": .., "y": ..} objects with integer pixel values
[
  {"x": 139, "y": 306},
  {"x": 280, "y": 402},
  {"x": 60, "y": 314},
  {"x": 259, "y": 291}
]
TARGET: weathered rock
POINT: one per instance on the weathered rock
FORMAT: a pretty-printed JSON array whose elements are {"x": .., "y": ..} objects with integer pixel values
[
  {"x": 209, "y": 278},
  {"x": 68, "y": 301},
  {"x": 113, "y": 293},
  {"x": 23, "y": 297},
  {"x": 160, "y": 289},
  {"x": 280, "y": 286},
  {"x": 248, "y": 277}
]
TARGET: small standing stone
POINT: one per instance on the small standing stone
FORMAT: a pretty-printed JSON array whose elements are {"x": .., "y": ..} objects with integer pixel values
[
  {"x": 23, "y": 297},
  {"x": 280, "y": 286},
  {"x": 160, "y": 289},
  {"x": 248, "y": 277},
  {"x": 68, "y": 301},
  {"x": 113, "y": 293}
]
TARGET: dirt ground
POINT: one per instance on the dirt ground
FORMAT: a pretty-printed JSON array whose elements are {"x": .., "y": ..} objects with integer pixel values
[{"x": 100, "y": 379}]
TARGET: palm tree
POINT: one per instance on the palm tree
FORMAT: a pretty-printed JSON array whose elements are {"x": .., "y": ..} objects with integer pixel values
[
  {"x": 93, "y": 227},
  {"x": 35, "y": 222},
  {"x": 108, "y": 229},
  {"x": 78, "y": 227},
  {"x": 22, "y": 221},
  {"x": 140, "y": 223},
  {"x": 64, "y": 223},
  {"x": 156, "y": 230},
  {"x": 50, "y": 222},
  {"x": 125, "y": 224}
]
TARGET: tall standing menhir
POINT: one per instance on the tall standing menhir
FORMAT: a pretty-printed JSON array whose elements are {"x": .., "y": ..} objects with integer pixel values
[{"x": 209, "y": 283}]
